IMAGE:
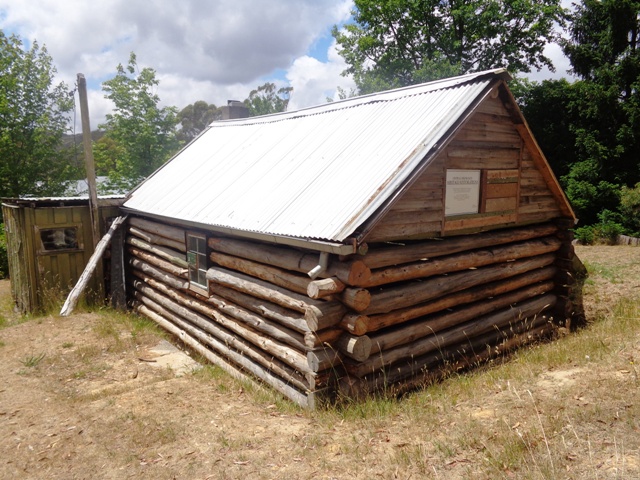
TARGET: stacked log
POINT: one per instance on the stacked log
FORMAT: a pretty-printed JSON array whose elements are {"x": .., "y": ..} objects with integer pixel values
[
  {"x": 392, "y": 316},
  {"x": 444, "y": 304},
  {"x": 256, "y": 317}
]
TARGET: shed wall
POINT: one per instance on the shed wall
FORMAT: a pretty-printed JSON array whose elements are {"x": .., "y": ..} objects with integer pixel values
[{"x": 41, "y": 271}]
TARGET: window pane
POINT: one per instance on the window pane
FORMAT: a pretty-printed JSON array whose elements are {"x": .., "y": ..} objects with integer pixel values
[
  {"x": 59, "y": 238},
  {"x": 202, "y": 278},
  {"x": 192, "y": 243}
]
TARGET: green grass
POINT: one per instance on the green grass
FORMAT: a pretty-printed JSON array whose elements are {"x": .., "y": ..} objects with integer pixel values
[
  {"x": 32, "y": 361},
  {"x": 614, "y": 274}
]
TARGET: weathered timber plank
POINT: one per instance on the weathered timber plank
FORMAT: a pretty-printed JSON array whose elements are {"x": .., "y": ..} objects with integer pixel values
[
  {"x": 537, "y": 217},
  {"x": 289, "y": 318},
  {"x": 230, "y": 340},
  {"x": 541, "y": 205},
  {"x": 158, "y": 262},
  {"x": 262, "y": 325},
  {"x": 483, "y": 139},
  {"x": 500, "y": 204},
  {"x": 319, "y": 314},
  {"x": 501, "y": 190},
  {"x": 324, "y": 287},
  {"x": 196, "y": 340},
  {"x": 158, "y": 240},
  {"x": 395, "y": 297},
  {"x": 391, "y": 232},
  {"x": 159, "y": 274},
  {"x": 371, "y": 323},
  {"x": 174, "y": 233},
  {"x": 436, "y": 365},
  {"x": 500, "y": 176},
  {"x": 357, "y": 299},
  {"x": 323, "y": 338},
  {"x": 277, "y": 276},
  {"x": 419, "y": 205},
  {"x": 486, "y": 135},
  {"x": 357, "y": 348},
  {"x": 351, "y": 273},
  {"x": 494, "y": 107},
  {"x": 173, "y": 256},
  {"x": 424, "y": 217},
  {"x": 454, "y": 335},
  {"x": 464, "y": 261},
  {"x": 479, "y": 222},
  {"x": 428, "y": 326},
  {"x": 545, "y": 169},
  {"x": 533, "y": 191},
  {"x": 386, "y": 256},
  {"x": 324, "y": 359},
  {"x": 215, "y": 320},
  {"x": 481, "y": 163}
]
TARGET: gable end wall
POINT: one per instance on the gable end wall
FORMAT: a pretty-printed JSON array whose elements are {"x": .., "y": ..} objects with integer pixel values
[{"x": 513, "y": 189}]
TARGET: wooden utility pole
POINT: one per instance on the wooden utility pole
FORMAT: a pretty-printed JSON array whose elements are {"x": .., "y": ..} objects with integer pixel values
[{"x": 88, "y": 159}]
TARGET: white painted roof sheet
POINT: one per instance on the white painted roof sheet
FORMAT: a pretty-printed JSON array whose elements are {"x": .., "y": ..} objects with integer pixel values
[{"x": 316, "y": 173}]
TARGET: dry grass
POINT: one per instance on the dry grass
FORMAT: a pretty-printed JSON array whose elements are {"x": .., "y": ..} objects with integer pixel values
[{"x": 566, "y": 409}]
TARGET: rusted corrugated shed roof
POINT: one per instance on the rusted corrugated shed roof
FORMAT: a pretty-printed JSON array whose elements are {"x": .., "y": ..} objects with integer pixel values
[{"x": 317, "y": 173}]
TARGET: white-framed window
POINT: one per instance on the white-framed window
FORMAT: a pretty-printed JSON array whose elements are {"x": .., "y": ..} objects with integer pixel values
[{"x": 197, "y": 260}]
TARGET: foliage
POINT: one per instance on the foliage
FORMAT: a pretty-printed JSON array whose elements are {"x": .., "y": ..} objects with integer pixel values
[
  {"x": 143, "y": 134},
  {"x": 630, "y": 208},
  {"x": 4, "y": 259},
  {"x": 589, "y": 128},
  {"x": 33, "y": 120},
  {"x": 606, "y": 231},
  {"x": 265, "y": 99},
  {"x": 194, "y": 118},
  {"x": 395, "y": 43}
]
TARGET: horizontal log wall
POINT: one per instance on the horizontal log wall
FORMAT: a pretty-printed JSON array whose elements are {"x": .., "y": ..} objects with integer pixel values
[
  {"x": 435, "y": 301},
  {"x": 249, "y": 324},
  {"x": 382, "y": 318}
]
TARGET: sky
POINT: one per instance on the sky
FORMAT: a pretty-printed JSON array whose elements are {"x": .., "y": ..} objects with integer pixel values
[{"x": 201, "y": 50}]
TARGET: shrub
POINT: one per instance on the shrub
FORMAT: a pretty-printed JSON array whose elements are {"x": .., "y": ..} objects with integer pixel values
[
  {"x": 630, "y": 208},
  {"x": 585, "y": 235},
  {"x": 607, "y": 231}
]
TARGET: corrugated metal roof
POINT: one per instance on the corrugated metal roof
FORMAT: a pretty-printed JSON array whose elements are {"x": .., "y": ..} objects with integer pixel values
[{"x": 316, "y": 173}]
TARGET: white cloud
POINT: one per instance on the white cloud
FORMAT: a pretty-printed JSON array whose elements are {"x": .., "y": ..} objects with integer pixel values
[
  {"x": 200, "y": 49},
  {"x": 313, "y": 81}
]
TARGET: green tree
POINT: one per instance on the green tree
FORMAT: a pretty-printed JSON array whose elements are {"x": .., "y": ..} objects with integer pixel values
[
  {"x": 266, "y": 99},
  {"x": 395, "y": 43},
  {"x": 195, "y": 118},
  {"x": 604, "y": 106},
  {"x": 33, "y": 120},
  {"x": 143, "y": 132}
]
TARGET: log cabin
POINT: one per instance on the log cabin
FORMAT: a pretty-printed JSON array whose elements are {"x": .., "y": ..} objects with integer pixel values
[{"x": 376, "y": 242}]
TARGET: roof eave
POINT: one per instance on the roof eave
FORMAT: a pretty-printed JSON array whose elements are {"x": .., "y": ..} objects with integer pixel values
[{"x": 305, "y": 243}]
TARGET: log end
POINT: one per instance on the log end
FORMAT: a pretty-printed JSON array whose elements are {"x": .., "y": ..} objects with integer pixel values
[
  {"x": 356, "y": 348},
  {"x": 359, "y": 274},
  {"x": 354, "y": 324}
]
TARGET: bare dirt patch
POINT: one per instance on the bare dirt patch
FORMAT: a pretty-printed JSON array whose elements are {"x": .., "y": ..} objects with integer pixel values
[{"x": 79, "y": 398}]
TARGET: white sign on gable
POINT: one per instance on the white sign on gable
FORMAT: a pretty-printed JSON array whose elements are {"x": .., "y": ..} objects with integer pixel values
[{"x": 462, "y": 192}]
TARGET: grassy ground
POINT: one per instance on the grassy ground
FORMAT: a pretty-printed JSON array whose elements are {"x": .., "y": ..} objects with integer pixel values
[{"x": 79, "y": 399}]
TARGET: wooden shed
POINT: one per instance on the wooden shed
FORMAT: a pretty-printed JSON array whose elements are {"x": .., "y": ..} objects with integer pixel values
[
  {"x": 376, "y": 242},
  {"x": 49, "y": 242}
]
